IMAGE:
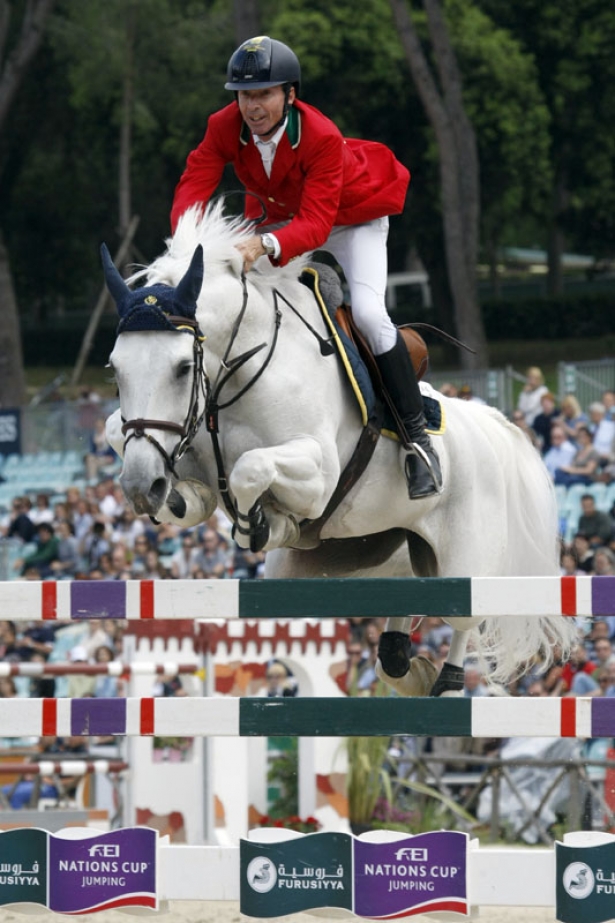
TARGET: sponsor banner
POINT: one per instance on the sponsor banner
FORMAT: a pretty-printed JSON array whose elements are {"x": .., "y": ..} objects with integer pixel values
[
  {"x": 310, "y": 871},
  {"x": 23, "y": 866},
  {"x": 585, "y": 883},
  {"x": 116, "y": 869},
  {"x": 10, "y": 432},
  {"x": 418, "y": 874}
]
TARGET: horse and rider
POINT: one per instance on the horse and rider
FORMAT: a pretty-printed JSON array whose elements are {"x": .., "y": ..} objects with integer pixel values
[
  {"x": 210, "y": 343},
  {"x": 319, "y": 191}
]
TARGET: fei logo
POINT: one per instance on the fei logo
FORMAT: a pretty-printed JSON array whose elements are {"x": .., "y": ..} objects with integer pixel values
[
  {"x": 108, "y": 850},
  {"x": 412, "y": 854}
]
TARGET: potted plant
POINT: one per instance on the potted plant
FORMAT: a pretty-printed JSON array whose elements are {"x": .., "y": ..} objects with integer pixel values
[{"x": 367, "y": 779}]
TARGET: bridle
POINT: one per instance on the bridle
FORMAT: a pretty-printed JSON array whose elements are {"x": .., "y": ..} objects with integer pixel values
[
  {"x": 211, "y": 396},
  {"x": 194, "y": 416}
]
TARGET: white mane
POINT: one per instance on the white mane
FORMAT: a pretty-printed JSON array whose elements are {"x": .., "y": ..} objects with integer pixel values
[{"x": 219, "y": 237}]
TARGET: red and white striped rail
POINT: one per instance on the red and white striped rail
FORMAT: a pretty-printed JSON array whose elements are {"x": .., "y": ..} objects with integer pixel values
[
  {"x": 37, "y": 668},
  {"x": 63, "y": 768}
]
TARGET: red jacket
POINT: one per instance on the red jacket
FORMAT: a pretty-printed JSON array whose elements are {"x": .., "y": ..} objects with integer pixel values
[{"x": 319, "y": 178}]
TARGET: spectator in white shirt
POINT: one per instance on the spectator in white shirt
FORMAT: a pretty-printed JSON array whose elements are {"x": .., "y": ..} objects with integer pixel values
[
  {"x": 529, "y": 399},
  {"x": 603, "y": 432},
  {"x": 562, "y": 450}
]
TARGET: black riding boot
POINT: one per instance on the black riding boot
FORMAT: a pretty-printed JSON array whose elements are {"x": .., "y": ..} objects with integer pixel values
[{"x": 422, "y": 467}]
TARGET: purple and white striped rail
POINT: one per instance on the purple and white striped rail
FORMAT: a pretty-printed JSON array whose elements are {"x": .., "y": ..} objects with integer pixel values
[
  {"x": 310, "y": 717},
  {"x": 335, "y": 598}
]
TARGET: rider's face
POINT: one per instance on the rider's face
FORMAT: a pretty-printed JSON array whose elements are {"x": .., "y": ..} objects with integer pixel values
[{"x": 262, "y": 109}]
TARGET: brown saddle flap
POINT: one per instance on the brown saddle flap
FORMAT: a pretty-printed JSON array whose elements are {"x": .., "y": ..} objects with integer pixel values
[{"x": 415, "y": 344}]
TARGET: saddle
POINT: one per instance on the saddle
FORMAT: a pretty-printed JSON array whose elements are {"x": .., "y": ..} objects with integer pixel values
[
  {"x": 415, "y": 344},
  {"x": 365, "y": 380},
  {"x": 323, "y": 280}
]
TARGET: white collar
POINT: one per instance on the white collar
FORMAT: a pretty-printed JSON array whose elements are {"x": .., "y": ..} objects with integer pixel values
[{"x": 276, "y": 138}]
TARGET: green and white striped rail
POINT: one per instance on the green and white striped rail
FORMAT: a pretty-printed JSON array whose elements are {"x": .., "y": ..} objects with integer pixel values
[
  {"x": 319, "y": 598},
  {"x": 310, "y": 717}
]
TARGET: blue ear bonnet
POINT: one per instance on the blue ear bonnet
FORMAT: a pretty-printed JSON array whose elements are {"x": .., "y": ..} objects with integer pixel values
[{"x": 155, "y": 307}]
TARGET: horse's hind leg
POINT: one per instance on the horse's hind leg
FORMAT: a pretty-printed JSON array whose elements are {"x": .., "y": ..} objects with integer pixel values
[
  {"x": 450, "y": 682},
  {"x": 408, "y": 676},
  {"x": 418, "y": 676}
]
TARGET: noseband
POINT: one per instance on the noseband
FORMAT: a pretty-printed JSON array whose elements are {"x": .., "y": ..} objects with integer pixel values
[{"x": 194, "y": 416}]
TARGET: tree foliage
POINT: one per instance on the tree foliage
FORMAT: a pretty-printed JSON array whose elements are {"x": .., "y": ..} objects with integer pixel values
[
  {"x": 572, "y": 47},
  {"x": 536, "y": 79}
]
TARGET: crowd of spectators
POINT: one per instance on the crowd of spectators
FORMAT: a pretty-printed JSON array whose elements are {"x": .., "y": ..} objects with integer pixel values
[
  {"x": 93, "y": 535},
  {"x": 578, "y": 448}
]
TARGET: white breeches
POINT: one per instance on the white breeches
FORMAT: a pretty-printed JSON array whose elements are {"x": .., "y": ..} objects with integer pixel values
[{"x": 361, "y": 251}]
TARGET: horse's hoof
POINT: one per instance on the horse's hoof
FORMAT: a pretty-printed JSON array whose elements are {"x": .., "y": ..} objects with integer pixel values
[
  {"x": 418, "y": 681},
  {"x": 259, "y": 537},
  {"x": 394, "y": 649},
  {"x": 450, "y": 682},
  {"x": 176, "y": 504}
]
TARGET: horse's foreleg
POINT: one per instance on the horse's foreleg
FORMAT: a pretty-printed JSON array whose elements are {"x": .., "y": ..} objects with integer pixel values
[{"x": 275, "y": 488}]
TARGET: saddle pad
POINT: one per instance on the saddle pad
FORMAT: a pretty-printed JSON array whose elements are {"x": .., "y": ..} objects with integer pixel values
[{"x": 357, "y": 372}]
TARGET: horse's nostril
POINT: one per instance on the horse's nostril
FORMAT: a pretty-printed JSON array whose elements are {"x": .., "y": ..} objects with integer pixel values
[{"x": 158, "y": 490}]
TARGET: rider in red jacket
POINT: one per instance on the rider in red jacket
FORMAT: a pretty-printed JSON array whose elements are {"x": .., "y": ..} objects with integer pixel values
[{"x": 320, "y": 191}]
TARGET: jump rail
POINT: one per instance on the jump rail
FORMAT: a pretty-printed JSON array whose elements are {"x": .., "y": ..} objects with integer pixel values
[
  {"x": 114, "y": 668},
  {"x": 301, "y": 598},
  {"x": 310, "y": 717},
  {"x": 64, "y": 768}
]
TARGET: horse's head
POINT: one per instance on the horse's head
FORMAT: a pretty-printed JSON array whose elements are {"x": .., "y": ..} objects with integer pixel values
[{"x": 157, "y": 363}]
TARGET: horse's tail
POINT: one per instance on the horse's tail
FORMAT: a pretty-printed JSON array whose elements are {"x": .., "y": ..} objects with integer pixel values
[{"x": 516, "y": 644}]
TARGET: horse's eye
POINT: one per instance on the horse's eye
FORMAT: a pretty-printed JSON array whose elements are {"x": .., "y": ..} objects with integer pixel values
[{"x": 184, "y": 369}]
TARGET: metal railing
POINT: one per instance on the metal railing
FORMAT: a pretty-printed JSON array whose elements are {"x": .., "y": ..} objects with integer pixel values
[
  {"x": 494, "y": 386},
  {"x": 586, "y": 380},
  {"x": 583, "y": 778}
]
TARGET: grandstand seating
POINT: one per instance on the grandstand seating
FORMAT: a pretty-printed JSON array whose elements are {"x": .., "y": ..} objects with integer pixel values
[
  {"x": 41, "y": 472},
  {"x": 569, "y": 504}
]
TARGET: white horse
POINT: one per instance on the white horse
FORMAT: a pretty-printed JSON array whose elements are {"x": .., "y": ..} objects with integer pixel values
[{"x": 231, "y": 396}]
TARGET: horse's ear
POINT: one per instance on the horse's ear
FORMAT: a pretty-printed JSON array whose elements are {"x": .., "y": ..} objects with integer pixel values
[
  {"x": 116, "y": 285},
  {"x": 189, "y": 287}
]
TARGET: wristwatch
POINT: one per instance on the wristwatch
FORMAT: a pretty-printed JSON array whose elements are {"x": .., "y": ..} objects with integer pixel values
[{"x": 268, "y": 242}]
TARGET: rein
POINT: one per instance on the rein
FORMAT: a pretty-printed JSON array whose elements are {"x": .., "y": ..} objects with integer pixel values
[{"x": 227, "y": 369}]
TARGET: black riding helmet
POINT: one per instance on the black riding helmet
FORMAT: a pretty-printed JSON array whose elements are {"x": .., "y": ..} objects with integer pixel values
[{"x": 262, "y": 62}]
